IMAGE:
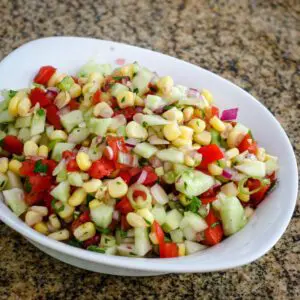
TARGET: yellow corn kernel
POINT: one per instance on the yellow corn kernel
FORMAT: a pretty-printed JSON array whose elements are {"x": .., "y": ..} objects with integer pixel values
[
  {"x": 14, "y": 102},
  {"x": 217, "y": 124},
  {"x": 198, "y": 113},
  {"x": 14, "y": 166},
  {"x": 183, "y": 200},
  {"x": 230, "y": 154},
  {"x": 42, "y": 210},
  {"x": 197, "y": 124},
  {"x": 87, "y": 88},
  {"x": 171, "y": 131},
  {"x": 94, "y": 203},
  {"x": 203, "y": 138},
  {"x": 96, "y": 78},
  {"x": 159, "y": 171},
  {"x": 54, "y": 222},
  {"x": 165, "y": 84},
  {"x": 117, "y": 187},
  {"x": 92, "y": 185},
  {"x": 173, "y": 114},
  {"x": 261, "y": 154},
  {"x": 186, "y": 132},
  {"x": 75, "y": 90},
  {"x": 43, "y": 151},
  {"x": 146, "y": 215},
  {"x": 196, "y": 146},
  {"x": 138, "y": 101},
  {"x": 135, "y": 220},
  {"x": 214, "y": 169},
  {"x": 3, "y": 164},
  {"x": 30, "y": 148},
  {"x": 225, "y": 133},
  {"x": 126, "y": 70},
  {"x": 62, "y": 99},
  {"x": 137, "y": 131},
  {"x": 58, "y": 135},
  {"x": 189, "y": 161},
  {"x": 32, "y": 218},
  {"x": 234, "y": 138},
  {"x": 181, "y": 249},
  {"x": 243, "y": 197},
  {"x": 24, "y": 106},
  {"x": 181, "y": 142},
  {"x": 41, "y": 227},
  {"x": 65, "y": 210},
  {"x": 125, "y": 99},
  {"x": 103, "y": 110},
  {"x": 85, "y": 231},
  {"x": 56, "y": 78},
  {"x": 207, "y": 95},
  {"x": 188, "y": 113},
  {"x": 83, "y": 161},
  {"x": 60, "y": 235},
  {"x": 229, "y": 189},
  {"x": 77, "y": 197}
]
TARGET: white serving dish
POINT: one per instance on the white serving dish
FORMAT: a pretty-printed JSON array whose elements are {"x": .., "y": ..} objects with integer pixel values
[{"x": 270, "y": 219}]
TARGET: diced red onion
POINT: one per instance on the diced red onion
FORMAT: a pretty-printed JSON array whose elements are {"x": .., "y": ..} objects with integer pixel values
[
  {"x": 159, "y": 110},
  {"x": 138, "y": 118},
  {"x": 142, "y": 177},
  {"x": 229, "y": 114},
  {"x": 116, "y": 215},
  {"x": 159, "y": 194},
  {"x": 155, "y": 162},
  {"x": 131, "y": 142},
  {"x": 64, "y": 111},
  {"x": 109, "y": 152},
  {"x": 227, "y": 173},
  {"x": 193, "y": 93},
  {"x": 53, "y": 89},
  {"x": 199, "y": 236},
  {"x": 135, "y": 161},
  {"x": 217, "y": 184}
]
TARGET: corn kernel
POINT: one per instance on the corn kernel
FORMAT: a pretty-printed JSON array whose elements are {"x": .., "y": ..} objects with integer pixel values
[
  {"x": 214, "y": 169},
  {"x": 92, "y": 185},
  {"x": 186, "y": 132},
  {"x": 56, "y": 78},
  {"x": 234, "y": 138},
  {"x": 181, "y": 142},
  {"x": 43, "y": 151},
  {"x": 135, "y": 220},
  {"x": 58, "y": 135},
  {"x": 181, "y": 249},
  {"x": 96, "y": 78},
  {"x": 173, "y": 114},
  {"x": 62, "y": 99},
  {"x": 225, "y": 133},
  {"x": 88, "y": 88},
  {"x": 203, "y": 138},
  {"x": 196, "y": 146},
  {"x": 138, "y": 101},
  {"x": 189, "y": 161},
  {"x": 103, "y": 110},
  {"x": 125, "y": 99},
  {"x": 229, "y": 189},
  {"x": 85, "y": 231},
  {"x": 14, "y": 166},
  {"x": 30, "y": 148},
  {"x": 243, "y": 197},
  {"x": 230, "y": 154},
  {"x": 60, "y": 235},
  {"x": 165, "y": 84},
  {"x": 117, "y": 187},
  {"x": 32, "y": 218},
  {"x": 146, "y": 215},
  {"x": 42, "y": 210},
  {"x": 94, "y": 204},
  {"x": 188, "y": 113},
  {"x": 207, "y": 95},
  {"x": 41, "y": 227},
  {"x": 14, "y": 102},
  {"x": 83, "y": 161},
  {"x": 137, "y": 131},
  {"x": 217, "y": 124},
  {"x": 183, "y": 200},
  {"x": 24, "y": 106},
  {"x": 64, "y": 210},
  {"x": 77, "y": 197},
  {"x": 75, "y": 90},
  {"x": 261, "y": 154},
  {"x": 3, "y": 164},
  {"x": 171, "y": 131},
  {"x": 197, "y": 124},
  {"x": 54, "y": 222}
]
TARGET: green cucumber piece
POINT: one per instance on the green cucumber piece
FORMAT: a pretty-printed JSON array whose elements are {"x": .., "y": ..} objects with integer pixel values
[
  {"x": 59, "y": 148},
  {"x": 141, "y": 80},
  {"x": 6, "y": 117},
  {"x": 171, "y": 155},
  {"x": 253, "y": 168},
  {"x": 61, "y": 191},
  {"x": 75, "y": 179},
  {"x": 24, "y": 134},
  {"x": 159, "y": 213},
  {"x": 71, "y": 119},
  {"x": 177, "y": 235},
  {"x": 142, "y": 243},
  {"x": 38, "y": 122},
  {"x": 14, "y": 181},
  {"x": 154, "y": 102},
  {"x": 117, "y": 88},
  {"x": 78, "y": 135},
  {"x": 193, "y": 220},
  {"x": 14, "y": 198},
  {"x": 145, "y": 150},
  {"x": 153, "y": 120},
  {"x": 11, "y": 130},
  {"x": 99, "y": 126},
  {"x": 189, "y": 233},
  {"x": 22, "y": 122},
  {"x": 173, "y": 219},
  {"x": 192, "y": 247},
  {"x": 107, "y": 241},
  {"x": 102, "y": 215},
  {"x": 92, "y": 66}
]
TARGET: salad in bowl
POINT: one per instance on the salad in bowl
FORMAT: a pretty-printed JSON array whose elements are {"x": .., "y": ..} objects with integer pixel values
[{"x": 125, "y": 162}]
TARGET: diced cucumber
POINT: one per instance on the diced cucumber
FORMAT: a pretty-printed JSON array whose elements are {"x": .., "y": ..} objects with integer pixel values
[
  {"x": 179, "y": 168},
  {"x": 59, "y": 148},
  {"x": 194, "y": 183},
  {"x": 121, "y": 131},
  {"x": 178, "y": 92},
  {"x": 22, "y": 122},
  {"x": 170, "y": 177},
  {"x": 271, "y": 164},
  {"x": 142, "y": 243},
  {"x": 141, "y": 80},
  {"x": 111, "y": 250},
  {"x": 61, "y": 191},
  {"x": 88, "y": 114},
  {"x": 6, "y": 117},
  {"x": 99, "y": 126},
  {"x": 153, "y": 120},
  {"x": 71, "y": 119},
  {"x": 107, "y": 241},
  {"x": 66, "y": 83},
  {"x": 2, "y": 135},
  {"x": 253, "y": 168},
  {"x": 189, "y": 233},
  {"x": 173, "y": 219},
  {"x": 3, "y": 181},
  {"x": 192, "y": 247},
  {"x": 14, "y": 198},
  {"x": 38, "y": 122},
  {"x": 5, "y": 102},
  {"x": 154, "y": 102},
  {"x": 102, "y": 215},
  {"x": 92, "y": 66},
  {"x": 11, "y": 130},
  {"x": 125, "y": 249},
  {"x": 118, "y": 88},
  {"x": 78, "y": 135},
  {"x": 75, "y": 179},
  {"x": 232, "y": 215},
  {"x": 62, "y": 175},
  {"x": 193, "y": 220},
  {"x": 159, "y": 213},
  {"x": 241, "y": 128},
  {"x": 14, "y": 181},
  {"x": 145, "y": 150},
  {"x": 177, "y": 235},
  {"x": 61, "y": 166},
  {"x": 171, "y": 155}
]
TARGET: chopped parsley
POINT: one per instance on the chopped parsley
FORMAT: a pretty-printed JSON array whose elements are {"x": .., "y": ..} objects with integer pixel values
[
  {"x": 214, "y": 224},
  {"x": 40, "y": 112},
  {"x": 39, "y": 167},
  {"x": 136, "y": 90},
  {"x": 134, "y": 74},
  {"x": 143, "y": 161},
  {"x": 73, "y": 242},
  {"x": 89, "y": 198},
  {"x": 148, "y": 222},
  {"x": 194, "y": 204},
  {"x": 123, "y": 234},
  {"x": 11, "y": 93},
  {"x": 167, "y": 107},
  {"x": 57, "y": 210},
  {"x": 103, "y": 230},
  {"x": 96, "y": 249},
  {"x": 118, "y": 182},
  {"x": 145, "y": 124},
  {"x": 27, "y": 185},
  {"x": 123, "y": 100},
  {"x": 117, "y": 78},
  {"x": 185, "y": 185}
]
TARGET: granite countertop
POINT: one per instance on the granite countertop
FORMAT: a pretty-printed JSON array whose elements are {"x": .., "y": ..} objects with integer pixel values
[{"x": 254, "y": 44}]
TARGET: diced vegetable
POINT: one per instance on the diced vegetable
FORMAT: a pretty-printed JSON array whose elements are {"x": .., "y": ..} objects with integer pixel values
[
  {"x": 14, "y": 198},
  {"x": 71, "y": 119},
  {"x": 61, "y": 191},
  {"x": 145, "y": 150}
]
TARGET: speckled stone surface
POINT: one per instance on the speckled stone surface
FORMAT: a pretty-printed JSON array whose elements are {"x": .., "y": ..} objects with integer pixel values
[{"x": 254, "y": 44}]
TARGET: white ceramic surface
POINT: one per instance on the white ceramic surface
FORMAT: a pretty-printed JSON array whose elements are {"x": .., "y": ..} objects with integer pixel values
[{"x": 270, "y": 219}]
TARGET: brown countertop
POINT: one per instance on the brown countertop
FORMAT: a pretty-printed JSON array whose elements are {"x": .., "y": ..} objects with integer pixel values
[{"x": 254, "y": 44}]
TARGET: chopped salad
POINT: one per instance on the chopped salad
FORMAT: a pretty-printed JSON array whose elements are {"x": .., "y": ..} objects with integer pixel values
[{"x": 125, "y": 162}]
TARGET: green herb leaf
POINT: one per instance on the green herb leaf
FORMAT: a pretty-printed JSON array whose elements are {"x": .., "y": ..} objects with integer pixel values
[
  {"x": 167, "y": 107},
  {"x": 148, "y": 222},
  {"x": 37, "y": 85},
  {"x": 194, "y": 204},
  {"x": 57, "y": 210},
  {"x": 185, "y": 185},
  {"x": 214, "y": 224},
  {"x": 89, "y": 198},
  {"x": 96, "y": 249},
  {"x": 136, "y": 90},
  {"x": 103, "y": 230},
  {"x": 27, "y": 185},
  {"x": 117, "y": 78},
  {"x": 145, "y": 124},
  {"x": 66, "y": 83},
  {"x": 40, "y": 112},
  {"x": 73, "y": 242},
  {"x": 123, "y": 100},
  {"x": 12, "y": 93},
  {"x": 123, "y": 234},
  {"x": 39, "y": 167},
  {"x": 76, "y": 214}
]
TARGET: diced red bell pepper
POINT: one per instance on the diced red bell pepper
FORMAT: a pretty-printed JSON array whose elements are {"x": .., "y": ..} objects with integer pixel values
[
  {"x": 44, "y": 74},
  {"x": 68, "y": 154},
  {"x": 37, "y": 95},
  {"x": 101, "y": 168},
  {"x": 73, "y": 104},
  {"x": 12, "y": 145},
  {"x": 127, "y": 112},
  {"x": 210, "y": 153},
  {"x": 259, "y": 196},
  {"x": 138, "y": 193},
  {"x": 39, "y": 183},
  {"x": 83, "y": 218},
  {"x": 52, "y": 116},
  {"x": 51, "y": 165},
  {"x": 97, "y": 97},
  {"x": 47, "y": 200},
  {"x": 248, "y": 144},
  {"x": 160, "y": 235},
  {"x": 207, "y": 200},
  {"x": 124, "y": 206},
  {"x": 209, "y": 193},
  {"x": 151, "y": 176},
  {"x": 124, "y": 174},
  {"x": 92, "y": 241},
  {"x": 214, "y": 233},
  {"x": 72, "y": 165},
  {"x": 27, "y": 168},
  {"x": 33, "y": 198},
  {"x": 116, "y": 144},
  {"x": 168, "y": 250}
]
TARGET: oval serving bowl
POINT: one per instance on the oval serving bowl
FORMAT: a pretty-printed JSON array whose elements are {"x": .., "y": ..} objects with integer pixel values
[{"x": 271, "y": 217}]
